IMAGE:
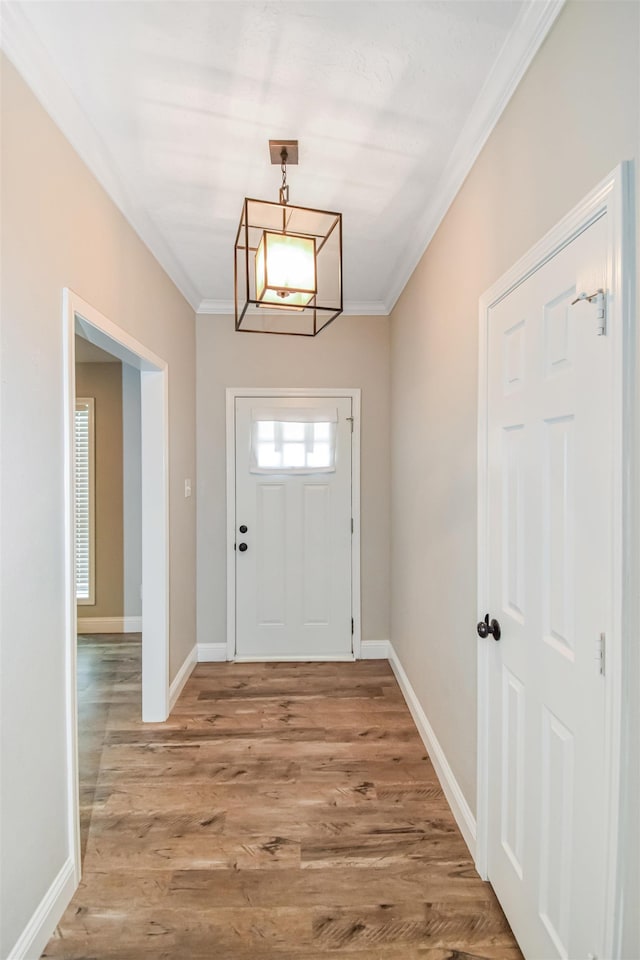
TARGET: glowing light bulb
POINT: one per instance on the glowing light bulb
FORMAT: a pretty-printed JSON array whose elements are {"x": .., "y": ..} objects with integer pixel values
[{"x": 286, "y": 269}]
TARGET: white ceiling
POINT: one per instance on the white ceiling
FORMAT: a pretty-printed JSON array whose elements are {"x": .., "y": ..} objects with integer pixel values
[{"x": 172, "y": 105}]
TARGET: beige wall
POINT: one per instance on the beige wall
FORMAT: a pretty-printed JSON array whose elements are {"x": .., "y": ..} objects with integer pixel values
[
  {"x": 103, "y": 382},
  {"x": 60, "y": 229},
  {"x": 352, "y": 352},
  {"x": 573, "y": 118}
]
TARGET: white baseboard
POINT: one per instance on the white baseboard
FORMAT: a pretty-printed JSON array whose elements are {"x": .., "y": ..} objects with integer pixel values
[
  {"x": 109, "y": 624},
  {"x": 37, "y": 932},
  {"x": 317, "y": 658},
  {"x": 212, "y": 652},
  {"x": 459, "y": 806},
  {"x": 374, "y": 650},
  {"x": 181, "y": 677}
]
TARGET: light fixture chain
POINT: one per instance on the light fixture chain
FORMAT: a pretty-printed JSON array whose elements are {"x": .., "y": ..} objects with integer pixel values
[{"x": 284, "y": 189}]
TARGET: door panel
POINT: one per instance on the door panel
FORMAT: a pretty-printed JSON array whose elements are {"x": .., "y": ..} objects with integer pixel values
[
  {"x": 550, "y": 456},
  {"x": 558, "y": 595},
  {"x": 271, "y": 559},
  {"x": 513, "y": 552},
  {"x": 513, "y": 753},
  {"x": 293, "y": 580},
  {"x": 556, "y": 829},
  {"x": 317, "y": 544}
]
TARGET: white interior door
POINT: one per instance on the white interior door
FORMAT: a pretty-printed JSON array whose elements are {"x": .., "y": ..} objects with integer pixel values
[
  {"x": 550, "y": 586},
  {"x": 293, "y": 528}
]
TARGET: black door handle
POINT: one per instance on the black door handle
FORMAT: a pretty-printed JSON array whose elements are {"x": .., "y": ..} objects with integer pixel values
[
  {"x": 242, "y": 547},
  {"x": 485, "y": 628},
  {"x": 244, "y": 528}
]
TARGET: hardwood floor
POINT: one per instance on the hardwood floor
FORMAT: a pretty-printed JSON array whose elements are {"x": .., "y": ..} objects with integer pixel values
[{"x": 284, "y": 812}]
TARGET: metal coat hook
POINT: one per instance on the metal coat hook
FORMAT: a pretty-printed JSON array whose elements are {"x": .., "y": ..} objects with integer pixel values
[
  {"x": 588, "y": 296},
  {"x": 601, "y": 314}
]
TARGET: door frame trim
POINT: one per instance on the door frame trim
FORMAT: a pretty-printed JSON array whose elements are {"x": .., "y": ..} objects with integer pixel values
[
  {"x": 613, "y": 197},
  {"x": 78, "y": 316},
  {"x": 354, "y": 393}
]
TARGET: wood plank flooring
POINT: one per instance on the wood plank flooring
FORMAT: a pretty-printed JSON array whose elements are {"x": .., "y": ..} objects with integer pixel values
[{"x": 283, "y": 812}]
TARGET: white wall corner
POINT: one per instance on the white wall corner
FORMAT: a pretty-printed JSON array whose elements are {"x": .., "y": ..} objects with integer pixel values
[
  {"x": 40, "y": 927},
  {"x": 181, "y": 677},
  {"x": 452, "y": 791},
  {"x": 212, "y": 652},
  {"x": 374, "y": 650}
]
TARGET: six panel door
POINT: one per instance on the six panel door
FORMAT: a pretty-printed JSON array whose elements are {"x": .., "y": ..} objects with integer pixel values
[{"x": 550, "y": 530}]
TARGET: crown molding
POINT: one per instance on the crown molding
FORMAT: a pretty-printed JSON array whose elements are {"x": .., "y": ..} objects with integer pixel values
[
  {"x": 353, "y": 308},
  {"x": 217, "y": 307},
  {"x": 366, "y": 308},
  {"x": 31, "y": 59},
  {"x": 520, "y": 47}
]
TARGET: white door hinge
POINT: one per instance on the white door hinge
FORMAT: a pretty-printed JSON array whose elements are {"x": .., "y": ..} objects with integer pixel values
[
  {"x": 599, "y": 300},
  {"x": 601, "y": 653},
  {"x": 350, "y": 419}
]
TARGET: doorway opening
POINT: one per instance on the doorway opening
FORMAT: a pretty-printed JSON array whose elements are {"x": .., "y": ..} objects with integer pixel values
[
  {"x": 108, "y": 556},
  {"x": 82, "y": 320}
]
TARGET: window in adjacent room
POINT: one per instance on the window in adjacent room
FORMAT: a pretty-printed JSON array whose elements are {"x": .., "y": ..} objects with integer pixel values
[{"x": 85, "y": 500}]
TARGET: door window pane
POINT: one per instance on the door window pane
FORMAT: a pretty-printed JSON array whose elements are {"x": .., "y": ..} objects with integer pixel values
[
  {"x": 320, "y": 456},
  {"x": 293, "y": 431},
  {"x": 293, "y": 446},
  {"x": 265, "y": 429},
  {"x": 293, "y": 455}
]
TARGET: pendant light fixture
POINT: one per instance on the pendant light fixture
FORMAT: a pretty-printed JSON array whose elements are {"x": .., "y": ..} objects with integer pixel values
[{"x": 288, "y": 261}]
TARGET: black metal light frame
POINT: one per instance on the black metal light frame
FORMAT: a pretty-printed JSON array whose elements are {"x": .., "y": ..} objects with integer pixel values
[{"x": 324, "y": 227}]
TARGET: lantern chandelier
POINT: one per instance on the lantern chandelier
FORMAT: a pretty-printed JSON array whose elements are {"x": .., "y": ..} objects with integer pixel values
[{"x": 288, "y": 261}]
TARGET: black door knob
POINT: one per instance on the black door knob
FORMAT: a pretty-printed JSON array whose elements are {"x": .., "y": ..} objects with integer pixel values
[
  {"x": 242, "y": 547},
  {"x": 485, "y": 628},
  {"x": 244, "y": 528}
]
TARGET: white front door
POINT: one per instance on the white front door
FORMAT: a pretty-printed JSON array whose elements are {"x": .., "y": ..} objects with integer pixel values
[
  {"x": 550, "y": 587},
  {"x": 293, "y": 528}
]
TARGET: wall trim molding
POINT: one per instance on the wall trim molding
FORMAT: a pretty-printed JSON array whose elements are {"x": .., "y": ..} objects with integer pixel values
[
  {"x": 211, "y": 652},
  {"x": 109, "y": 624},
  {"x": 374, "y": 650},
  {"x": 181, "y": 677},
  {"x": 452, "y": 790},
  {"x": 47, "y": 914},
  {"x": 532, "y": 26}
]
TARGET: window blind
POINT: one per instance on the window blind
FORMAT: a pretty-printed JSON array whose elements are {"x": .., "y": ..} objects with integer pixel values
[{"x": 84, "y": 496}]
